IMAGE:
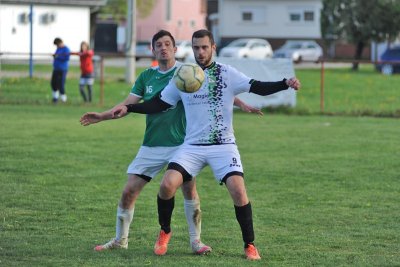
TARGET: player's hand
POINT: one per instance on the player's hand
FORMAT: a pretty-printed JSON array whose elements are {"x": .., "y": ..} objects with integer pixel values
[
  {"x": 249, "y": 109},
  {"x": 293, "y": 83},
  {"x": 90, "y": 118},
  {"x": 119, "y": 112}
]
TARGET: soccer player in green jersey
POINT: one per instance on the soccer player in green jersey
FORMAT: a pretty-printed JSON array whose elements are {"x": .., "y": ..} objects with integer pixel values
[{"x": 164, "y": 133}]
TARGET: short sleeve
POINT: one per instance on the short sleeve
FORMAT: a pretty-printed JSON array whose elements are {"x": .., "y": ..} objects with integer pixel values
[
  {"x": 171, "y": 94},
  {"x": 139, "y": 87},
  {"x": 239, "y": 82}
]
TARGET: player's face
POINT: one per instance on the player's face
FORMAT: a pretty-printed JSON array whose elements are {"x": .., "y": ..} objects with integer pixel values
[
  {"x": 203, "y": 50},
  {"x": 164, "y": 49}
]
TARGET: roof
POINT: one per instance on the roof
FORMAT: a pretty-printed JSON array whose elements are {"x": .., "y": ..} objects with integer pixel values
[{"x": 90, "y": 3}]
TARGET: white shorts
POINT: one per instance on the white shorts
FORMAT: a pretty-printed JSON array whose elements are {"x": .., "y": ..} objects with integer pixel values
[
  {"x": 86, "y": 81},
  {"x": 223, "y": 159},
  {"x": 149, "y": 161}
]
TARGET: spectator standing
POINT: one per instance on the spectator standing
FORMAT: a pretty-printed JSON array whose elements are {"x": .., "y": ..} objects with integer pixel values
[
  {"x": 87, "y": 75},
  {"x": 60, "y": 69}
]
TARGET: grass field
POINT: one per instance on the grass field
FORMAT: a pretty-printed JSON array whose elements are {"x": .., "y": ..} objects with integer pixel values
[
  {"x": 346, "y": 92},
  {"x": 325, "y": 190}
]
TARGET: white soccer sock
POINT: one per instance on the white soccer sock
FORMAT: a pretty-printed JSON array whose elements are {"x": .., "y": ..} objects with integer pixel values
[
  {"x": 124, "y": 219},
  {"x": 64, "y": 98},
  {"x": 56, "y": 94},
  {"x": 193, "y": 218}
]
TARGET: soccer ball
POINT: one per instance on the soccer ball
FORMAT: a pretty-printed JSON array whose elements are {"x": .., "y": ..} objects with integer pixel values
[{"x": 189, "y": 77}]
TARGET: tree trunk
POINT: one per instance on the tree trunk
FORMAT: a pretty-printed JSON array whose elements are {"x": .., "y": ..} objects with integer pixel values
[{"x": 357, "y": 56}]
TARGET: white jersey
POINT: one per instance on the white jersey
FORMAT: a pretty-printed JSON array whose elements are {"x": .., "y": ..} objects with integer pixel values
[{"x": 209, "y": 111}]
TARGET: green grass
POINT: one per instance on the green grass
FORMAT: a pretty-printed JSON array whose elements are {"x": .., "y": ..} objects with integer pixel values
[
  {"x": 324, "y": 189},
  {"x": 365, "y": 92}
]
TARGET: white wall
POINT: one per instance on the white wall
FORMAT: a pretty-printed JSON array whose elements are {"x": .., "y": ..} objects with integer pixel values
[
  {"x": 271, "y": 19},
  {"x": 265, "y": 70},
  {"x": 71, "y": 24}
]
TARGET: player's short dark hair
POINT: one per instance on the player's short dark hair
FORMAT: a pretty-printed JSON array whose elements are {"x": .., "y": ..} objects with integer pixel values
[
  {"x": 160, "y": 34},
  {"x": 57, "y": 41},
  {"x": 203, "y": 33}
]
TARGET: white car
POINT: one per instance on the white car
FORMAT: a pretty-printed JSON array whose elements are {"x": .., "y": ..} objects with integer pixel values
[
  {"x": 184, "y": 50},
  {"x": 301, "y": 50},
  {"x": 143, "y": 50},
  {"x": 247, "y": 48}
]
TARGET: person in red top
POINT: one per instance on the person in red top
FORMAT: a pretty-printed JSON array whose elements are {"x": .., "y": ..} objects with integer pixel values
[{"x": 87, "y": 77}]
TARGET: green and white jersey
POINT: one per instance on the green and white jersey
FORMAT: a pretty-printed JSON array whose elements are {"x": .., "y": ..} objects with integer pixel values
[
  {"x": 209, "y": 111},
  {"x": 167, "y": 128}
]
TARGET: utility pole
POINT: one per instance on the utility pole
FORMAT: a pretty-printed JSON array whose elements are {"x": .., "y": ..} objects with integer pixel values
[
  {"x": 31, "y": 41},
  {"x": 130, "y": 53}
]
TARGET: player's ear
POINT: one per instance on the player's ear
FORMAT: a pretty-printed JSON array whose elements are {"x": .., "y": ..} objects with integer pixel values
[
  {"x": 175, "y": 49},
  {"x": 214, "y": 48}
]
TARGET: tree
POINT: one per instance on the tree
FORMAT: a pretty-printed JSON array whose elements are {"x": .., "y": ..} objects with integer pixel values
[
  {"x": 360, "y": 22},
  {"x": 117, "y": 9}
]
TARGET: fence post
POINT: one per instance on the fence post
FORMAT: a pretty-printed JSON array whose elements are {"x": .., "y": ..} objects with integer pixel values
[
  {"x": 322, "y": 98},
  {"x": 101, "y": 81}
]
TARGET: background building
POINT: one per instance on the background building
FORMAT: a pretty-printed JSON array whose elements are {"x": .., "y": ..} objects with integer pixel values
[
  {"x": 68, "y": 19},
  {"x": 180, "y": 17},
  {"x": 273, "y": 20}
]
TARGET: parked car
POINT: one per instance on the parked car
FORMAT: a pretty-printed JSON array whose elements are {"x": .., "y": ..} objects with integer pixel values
[
  {"x": 247, "y": 48},
  {"x": 143, "y": 50},
  {"x": 184, "y": 50},
  {"x": 385, "y": 65},
  {"x": 301, "y": 50}
]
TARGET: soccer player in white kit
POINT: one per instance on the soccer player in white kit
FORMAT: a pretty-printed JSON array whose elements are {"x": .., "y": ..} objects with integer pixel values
[
  {"x": 165, "y": 131},
  {"x": 209, "y": 137}
]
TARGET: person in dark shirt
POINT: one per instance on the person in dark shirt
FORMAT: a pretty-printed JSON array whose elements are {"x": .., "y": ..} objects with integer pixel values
[{"x": 60, "y": 69}]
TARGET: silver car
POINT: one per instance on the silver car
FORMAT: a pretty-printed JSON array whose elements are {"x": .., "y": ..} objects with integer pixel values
[
  {"x": 143, "y": 50},
  {"x": 300, "y": 50},
  {"x": 184, "y": 50},
  {"x": 247, "y": 48}
]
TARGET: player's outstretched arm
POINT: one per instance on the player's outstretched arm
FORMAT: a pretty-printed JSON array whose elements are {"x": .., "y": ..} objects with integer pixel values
[
  {"x": 114, "y": 113},
  {"x": 268, "y": 88},
  {"x": 94, "y": 117},
  {"x": 154, "y": 105},
  {"x": 246, "y": 108}
]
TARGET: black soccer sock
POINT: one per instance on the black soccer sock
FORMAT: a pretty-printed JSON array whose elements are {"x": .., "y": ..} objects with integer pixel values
[
  {"x": 165, "y": 208},
  {"x": 89, "y": 87},
  {"x": 244, "y": 216},
  {"x": 81, "y": 89}
]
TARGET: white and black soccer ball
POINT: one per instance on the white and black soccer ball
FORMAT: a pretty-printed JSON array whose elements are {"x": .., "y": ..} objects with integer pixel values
[{"x": 189, "y": 77}]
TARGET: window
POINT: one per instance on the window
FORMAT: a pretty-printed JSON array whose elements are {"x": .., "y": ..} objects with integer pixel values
[
  {"x": 255, "y": 14},
  {"x": 47, "y": 18},
  {"x": 308, "y": 16},
  {"x": 23, "y": 18},
  {"x": 295, "y": 17},
  {"x": 247, "y": 16},
  {"x": 301, "y": 14}
]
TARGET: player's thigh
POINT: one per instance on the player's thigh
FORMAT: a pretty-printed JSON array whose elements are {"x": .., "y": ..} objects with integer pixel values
[
  {"x": 191, "y": 158},
  {"x": 149, "y": 161},
  {"x": 224, "y": 160}
]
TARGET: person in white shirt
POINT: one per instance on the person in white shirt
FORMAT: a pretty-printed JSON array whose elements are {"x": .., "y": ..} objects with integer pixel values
[{"x": 209, "y": 136}]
